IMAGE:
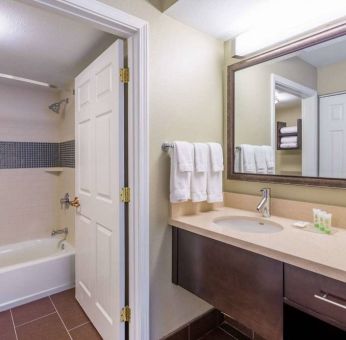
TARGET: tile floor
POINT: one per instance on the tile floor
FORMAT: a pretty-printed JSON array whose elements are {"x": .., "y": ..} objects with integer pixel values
[
  {"x": 57, "y": 317},
  {"x": 225, "y": 332}
]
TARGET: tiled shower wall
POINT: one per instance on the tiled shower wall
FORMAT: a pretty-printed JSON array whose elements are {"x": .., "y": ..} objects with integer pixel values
[{"x": 30, "y": 140}]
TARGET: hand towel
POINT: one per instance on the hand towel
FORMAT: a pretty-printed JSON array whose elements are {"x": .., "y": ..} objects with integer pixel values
[
  {"x": 237, "y": 160},
  {"x": 269, "y": 156},
  {"x": 291, "y": 139},
  {"x": 289, "y": 129},
  {"x": 248, "y": 158},
  {"x": 260, "y": 160},
  {"x": 214, "y": 174},
  {"x": 288, "y": 145},
  {"x": 199, "y": 175},
  {"x": 180, "y": 181},
  {"x": 216, "y": 156},
  {"x": 185, "y": 156}
]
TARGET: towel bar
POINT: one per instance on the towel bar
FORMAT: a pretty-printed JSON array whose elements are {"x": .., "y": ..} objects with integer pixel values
[{"x": 165, "y": 146}]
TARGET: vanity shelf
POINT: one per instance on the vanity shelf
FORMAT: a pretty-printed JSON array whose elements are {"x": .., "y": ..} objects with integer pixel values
[{"x": 279, "y": 135}]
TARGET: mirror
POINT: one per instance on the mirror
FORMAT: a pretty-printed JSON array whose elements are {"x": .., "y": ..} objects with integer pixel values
[{"x": 287, "y": 113}]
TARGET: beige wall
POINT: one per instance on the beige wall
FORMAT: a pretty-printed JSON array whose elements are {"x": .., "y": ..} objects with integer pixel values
[
  {"x": 332, "y": 78},
  {"x": 29, "y": 198},
  {"x": 253, "y": 100},
  {"x": 67, "y": 177},
  {"x": 332, "y": 196},
  {"x": 185, "y": 103}
]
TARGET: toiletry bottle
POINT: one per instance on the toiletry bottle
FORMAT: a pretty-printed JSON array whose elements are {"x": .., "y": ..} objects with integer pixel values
[{"x": 316, "y": 217}]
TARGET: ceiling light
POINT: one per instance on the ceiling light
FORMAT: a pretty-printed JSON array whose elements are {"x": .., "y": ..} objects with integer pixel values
[{"x": 280, "y": 20}]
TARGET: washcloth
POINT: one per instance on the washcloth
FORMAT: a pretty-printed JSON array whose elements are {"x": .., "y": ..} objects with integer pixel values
[
  {"x": 269, "y": 155},
  {"x": 289, "y": 129},
  {"x": 248, "y": 158},
  {"x": 199, "y": 175},
  {"x": 180, "y": 181},
  {"x": 185, "y": 156},
  {"x": 288, "y": 145},
  {"x": 260, "y": 160},
  {"x": 214, "y": 174},
  {"x": 291, "y": 139}
]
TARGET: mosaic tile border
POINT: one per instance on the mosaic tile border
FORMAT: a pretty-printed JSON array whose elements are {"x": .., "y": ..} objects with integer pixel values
[{"x": 19, "y": 155}]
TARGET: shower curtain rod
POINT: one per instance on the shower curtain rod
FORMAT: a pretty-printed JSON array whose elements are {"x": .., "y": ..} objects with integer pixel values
[{"x": 28, "y": 81}]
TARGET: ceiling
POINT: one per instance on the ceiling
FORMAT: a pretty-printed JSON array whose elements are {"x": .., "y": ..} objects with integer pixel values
[
  {"x": 223, "y": 19},
  {"x": 46, "y": 46},
  {"x": 325, "y": 54}
]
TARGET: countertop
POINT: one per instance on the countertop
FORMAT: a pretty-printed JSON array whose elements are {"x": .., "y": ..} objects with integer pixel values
[{"x": 319, "y": 253}]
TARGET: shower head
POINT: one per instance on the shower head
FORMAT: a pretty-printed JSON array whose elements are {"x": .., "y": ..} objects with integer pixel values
[{"x": 55, "y": 107}]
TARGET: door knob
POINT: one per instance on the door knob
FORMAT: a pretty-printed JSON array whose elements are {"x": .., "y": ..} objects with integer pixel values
[{"x": 75, "y": 202}]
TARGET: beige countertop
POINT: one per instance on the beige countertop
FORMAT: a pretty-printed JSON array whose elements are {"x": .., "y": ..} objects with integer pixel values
[{"x": 320, "y": 253}]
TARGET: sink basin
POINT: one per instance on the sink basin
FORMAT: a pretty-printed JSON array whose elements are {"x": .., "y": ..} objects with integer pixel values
[{"x": 248, "y": 224}]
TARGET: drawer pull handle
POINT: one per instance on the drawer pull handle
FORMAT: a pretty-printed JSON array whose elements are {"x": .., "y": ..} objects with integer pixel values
[{"x": 324, "y": 298}]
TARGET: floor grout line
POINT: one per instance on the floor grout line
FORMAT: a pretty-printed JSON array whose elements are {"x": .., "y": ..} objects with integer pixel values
[
  {"x": 14, "y": 327},
  {"x": 73, "y": 328},
  {"x": 41, "y": 317},
  {"x": 60, "y": 318}
]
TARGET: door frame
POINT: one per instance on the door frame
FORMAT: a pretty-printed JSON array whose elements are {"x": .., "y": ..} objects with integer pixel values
[
  {"x": 309, "y": 115},
  {"x": 135, "y": 31}
]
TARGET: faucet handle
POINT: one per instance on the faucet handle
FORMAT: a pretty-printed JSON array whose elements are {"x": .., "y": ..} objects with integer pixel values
[{"x": 266, "y": 192}]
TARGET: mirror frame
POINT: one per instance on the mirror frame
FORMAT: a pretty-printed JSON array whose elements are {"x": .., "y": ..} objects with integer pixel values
[{"x": 311, "y": 40}]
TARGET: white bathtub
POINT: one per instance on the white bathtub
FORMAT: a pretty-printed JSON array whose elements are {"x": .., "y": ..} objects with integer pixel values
[{"x": 33, "y": 269}]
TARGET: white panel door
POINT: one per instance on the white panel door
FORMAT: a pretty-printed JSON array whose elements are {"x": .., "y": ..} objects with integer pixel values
[
  {"x": 333, "y": 136},
  {"x": 99, "y": 178}
]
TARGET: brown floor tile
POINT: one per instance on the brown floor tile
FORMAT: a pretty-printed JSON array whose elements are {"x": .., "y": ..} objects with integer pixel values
[
  {"x": 84, "y": 332},
  {"x": 69, "y": 309},
  {"x": 47, "y": 328},
  {"x": 218, "y": 334},
  {"x": 6, "y": 326},
  {"x": 204, "y": 324},
  {"x": 32, "y": 311}
]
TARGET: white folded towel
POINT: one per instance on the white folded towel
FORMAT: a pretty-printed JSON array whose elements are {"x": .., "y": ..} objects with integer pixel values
[
  {"x": 269, "y": 155},
  {"x": 291, "y": 139},
  {"x": 260, "y": 160},
  {"x": 185, "y": 156},
  {"x": 214, "y": 175},
  {"x": 199, "y": 175},
  {"x": 289, "y": 129},
  {"x": 216, "y": 156},
  {"x": 180, "y": 181},
  {"x": 288, "y": 145},
  {"x": 248, "y": 158}
]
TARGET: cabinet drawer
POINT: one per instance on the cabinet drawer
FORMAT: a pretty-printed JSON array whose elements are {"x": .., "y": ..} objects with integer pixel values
[{"x": 325, "y": 297}]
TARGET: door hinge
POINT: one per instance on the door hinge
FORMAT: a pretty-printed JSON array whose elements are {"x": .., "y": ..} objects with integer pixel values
[
  {"x": 125, "y": 314},
  {"x": 125, "y": 195},
  {"x": 124, "y": 75}
]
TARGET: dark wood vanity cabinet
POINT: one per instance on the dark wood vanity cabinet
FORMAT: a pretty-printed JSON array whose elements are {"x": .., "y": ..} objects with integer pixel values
[
  {"x": 242, "y": 284},
  {"x": 317, "y": 295}
]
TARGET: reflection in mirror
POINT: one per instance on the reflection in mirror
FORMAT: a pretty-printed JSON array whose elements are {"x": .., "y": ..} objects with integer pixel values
[{"x": 290, "y": 114}]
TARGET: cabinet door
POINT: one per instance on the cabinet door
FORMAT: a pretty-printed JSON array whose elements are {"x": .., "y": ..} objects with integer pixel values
[{"x": 244, "y": 285}]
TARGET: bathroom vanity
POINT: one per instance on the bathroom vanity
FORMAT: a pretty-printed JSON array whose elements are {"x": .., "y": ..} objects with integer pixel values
[{"x": 254, "y": 276}]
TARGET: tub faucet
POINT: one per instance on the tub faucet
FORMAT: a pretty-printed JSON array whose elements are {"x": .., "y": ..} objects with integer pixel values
[
  {"x": 58, "y": 232},
  {"x": 264, "y": 206}
]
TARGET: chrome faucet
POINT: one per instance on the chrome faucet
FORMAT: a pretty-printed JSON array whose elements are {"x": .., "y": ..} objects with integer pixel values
[
  {"x": 58, "y": 232},
  {"x": 264, "y": 206}
]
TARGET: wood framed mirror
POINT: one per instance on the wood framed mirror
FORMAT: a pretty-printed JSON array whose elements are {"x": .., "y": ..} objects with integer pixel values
[{"x": 286, "y": 113}]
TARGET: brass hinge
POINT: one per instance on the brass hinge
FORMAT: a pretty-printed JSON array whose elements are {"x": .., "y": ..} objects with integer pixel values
[
  {"x": 125, "y": 314},
  {"x": 125, "y": 195},
  {"x": 124, "y": 75}
]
